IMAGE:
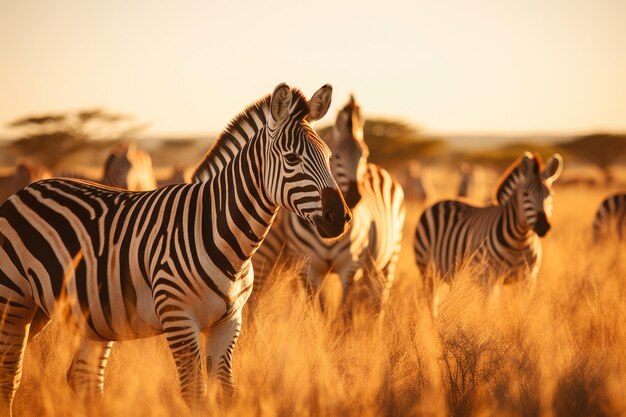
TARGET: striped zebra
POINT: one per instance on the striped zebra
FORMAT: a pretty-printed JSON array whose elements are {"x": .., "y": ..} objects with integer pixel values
[
  {"x": 371, "y": 248},
  {"x": 129, "y": 168},
  {"x": 116, "y": 265},
  {"x": 467, "y": 178},
  {"x": 125, "y": 167},
  {"x": 502, "y": 237},
  {"x": 25, "y": 173},
  {"x": 610, "y": 219}
]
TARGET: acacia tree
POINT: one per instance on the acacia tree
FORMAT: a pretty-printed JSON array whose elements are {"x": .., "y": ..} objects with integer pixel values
[
  {"x": 600, "y": 149},
  {"x": 50, "y": 138}
]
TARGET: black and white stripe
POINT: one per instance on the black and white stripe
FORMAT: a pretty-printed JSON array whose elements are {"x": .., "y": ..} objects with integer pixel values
[
  {"x": 114, "y": 265},
  {"x": 502, "y": 238},
  {"x": 371, "y": 248},
  {"x": 610, "y": 219}
]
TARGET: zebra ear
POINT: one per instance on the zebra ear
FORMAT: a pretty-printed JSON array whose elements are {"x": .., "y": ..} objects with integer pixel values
[
  {"x": 553, "y": 169},
  {"x": 280, "y": 102},
  {"x": 320, "y": 102},
  {"x": 528, "y": 163}
]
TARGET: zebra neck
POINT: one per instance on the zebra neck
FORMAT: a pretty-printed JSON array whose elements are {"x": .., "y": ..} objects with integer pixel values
[
  {"x": 238, "y": 213},
  {"x": 513, "y": 221}
]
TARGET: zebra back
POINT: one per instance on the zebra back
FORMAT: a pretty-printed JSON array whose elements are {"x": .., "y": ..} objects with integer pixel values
[{"x": 610, "y": 218}]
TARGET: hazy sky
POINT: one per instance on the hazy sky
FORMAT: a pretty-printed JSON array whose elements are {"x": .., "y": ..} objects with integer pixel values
[{"x": 188, "y": 67}]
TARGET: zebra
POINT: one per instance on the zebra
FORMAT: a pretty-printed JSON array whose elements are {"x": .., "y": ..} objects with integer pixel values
[
  {"x": 610, "y": 218},
  {"x": 467, "y": 178},
  {"x": 502, "y": 237},
  {"x": 125, "y": 167},
  {"x": 25, "y": 173},
  {"x": 176, "y": 177},
  {"x": 116, "y": 265},
  {"x": 371, "y": 248},
  {"x": 129, "y": 168}
]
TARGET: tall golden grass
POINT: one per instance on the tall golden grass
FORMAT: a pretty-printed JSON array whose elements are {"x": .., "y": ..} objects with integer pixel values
[{"x": 559, "y": 351}]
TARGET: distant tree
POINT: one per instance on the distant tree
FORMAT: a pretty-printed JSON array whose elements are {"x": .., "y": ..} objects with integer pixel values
[
  {"x": 501, "y": 157},
  {"x": 50, "y": 138},
  {"x": 394, "y": 141},
  {"x": 600, "y": 149}
]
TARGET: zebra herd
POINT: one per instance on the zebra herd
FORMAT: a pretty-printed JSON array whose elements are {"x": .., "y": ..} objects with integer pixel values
[{"x": 181, "y": 260}]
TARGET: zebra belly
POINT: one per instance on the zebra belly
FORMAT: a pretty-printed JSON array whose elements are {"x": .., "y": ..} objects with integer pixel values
[{"x": 100, "y": 317}]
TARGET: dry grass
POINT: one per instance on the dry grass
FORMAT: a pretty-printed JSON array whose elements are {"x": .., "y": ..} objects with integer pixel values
[{"x": 559, "y": 351}]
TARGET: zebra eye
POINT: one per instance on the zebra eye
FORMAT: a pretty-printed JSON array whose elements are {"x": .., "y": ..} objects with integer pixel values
[{"x": 293, "y": 158}]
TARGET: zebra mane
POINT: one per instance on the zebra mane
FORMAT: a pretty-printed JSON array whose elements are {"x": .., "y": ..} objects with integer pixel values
[
  {"x": 241, "y": 129},
  {"x": 513, "y": 176}
]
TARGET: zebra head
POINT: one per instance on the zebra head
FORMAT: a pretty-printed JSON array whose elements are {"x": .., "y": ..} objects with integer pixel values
[
  {"x": 349, "y": 160},
  {"x": 536, "y": 190},
  {"x": 129, "y": 168},
  {"x": 117, "y": 166},
  {"x": 300, "y": 178}
]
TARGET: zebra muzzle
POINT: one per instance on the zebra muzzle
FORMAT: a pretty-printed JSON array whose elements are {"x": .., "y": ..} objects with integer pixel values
[
  {"x": 335, "y": 215},
  {"x": 542, "y": 226},
  {"x": 353, "y": 195}
]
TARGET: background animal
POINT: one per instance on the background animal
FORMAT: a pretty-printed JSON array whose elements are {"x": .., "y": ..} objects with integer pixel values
[
  {"x": 125, "y": 167},
  {"x": 610, "y": 219},
  {"x": 177, "y": 176},
  {"x": 501, "y": 238},
  {"x": 25, "y": 173}
]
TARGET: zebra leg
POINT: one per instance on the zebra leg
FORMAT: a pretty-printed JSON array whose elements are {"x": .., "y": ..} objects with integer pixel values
[
  {"x": 312, "y": 284},
  {"x": 389, "y": 274},
  {"x": 348, "y": 276},
  {"x": 183, "y": 339},
  {"x": 15, "y": 317},
  {"x": 383, "y": 285},
  {"x": 220, "y": 343},
  {"x": 86, "y": 373}
]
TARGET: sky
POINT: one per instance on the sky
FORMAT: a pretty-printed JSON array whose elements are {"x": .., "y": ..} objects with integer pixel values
[{"x": 187, "y": 67}]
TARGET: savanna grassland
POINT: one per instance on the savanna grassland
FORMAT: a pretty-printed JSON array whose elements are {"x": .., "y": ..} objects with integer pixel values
[{"x": 558, "y": 351}]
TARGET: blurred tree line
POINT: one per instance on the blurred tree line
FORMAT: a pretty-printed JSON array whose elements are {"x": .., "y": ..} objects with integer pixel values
[
  {"x": 50, "y": 138},
  {"x": 601, "y": 150}
]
